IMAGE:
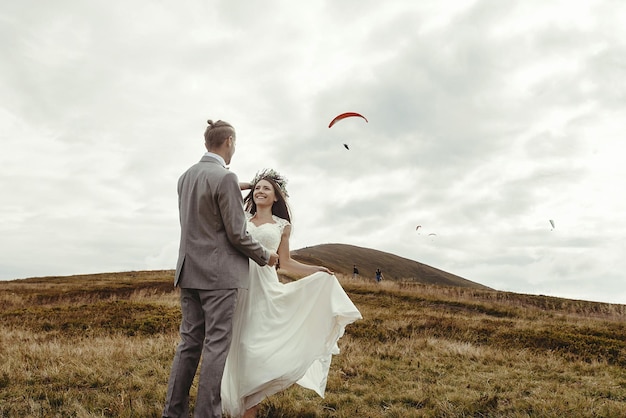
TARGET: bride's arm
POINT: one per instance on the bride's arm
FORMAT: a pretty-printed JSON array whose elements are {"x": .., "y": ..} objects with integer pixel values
[{"x": 289, "y": 264}]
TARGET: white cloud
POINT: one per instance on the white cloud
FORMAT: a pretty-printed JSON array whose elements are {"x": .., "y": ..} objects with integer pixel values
[{"x": 485, "y": 120}]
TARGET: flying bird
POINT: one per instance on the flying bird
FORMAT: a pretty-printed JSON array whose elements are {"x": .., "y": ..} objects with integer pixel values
[{"x": 346, "y": 146}]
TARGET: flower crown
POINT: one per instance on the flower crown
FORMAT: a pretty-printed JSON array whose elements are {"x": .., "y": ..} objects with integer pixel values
[{"x": 275, "y": 176}]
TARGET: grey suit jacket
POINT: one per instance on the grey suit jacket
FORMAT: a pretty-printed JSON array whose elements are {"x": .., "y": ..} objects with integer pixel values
[{"x": 214, "y": 244}]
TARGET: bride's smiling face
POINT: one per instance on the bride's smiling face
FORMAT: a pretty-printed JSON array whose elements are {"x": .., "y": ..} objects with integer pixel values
[{"x": 264, "y": 193}]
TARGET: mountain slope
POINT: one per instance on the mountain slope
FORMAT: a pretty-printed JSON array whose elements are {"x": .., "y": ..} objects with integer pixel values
[{"x": 341, "y": 258}]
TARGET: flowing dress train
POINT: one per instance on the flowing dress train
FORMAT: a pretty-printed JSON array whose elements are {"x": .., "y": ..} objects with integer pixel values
[{"x": 282, "y": 333}]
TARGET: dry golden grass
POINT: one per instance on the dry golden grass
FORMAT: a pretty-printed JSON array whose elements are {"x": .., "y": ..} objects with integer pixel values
[{"x": 102, "y": 345}]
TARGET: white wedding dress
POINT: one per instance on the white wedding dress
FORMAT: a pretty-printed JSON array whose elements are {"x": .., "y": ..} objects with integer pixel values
[{"x": 282, "y": 333}]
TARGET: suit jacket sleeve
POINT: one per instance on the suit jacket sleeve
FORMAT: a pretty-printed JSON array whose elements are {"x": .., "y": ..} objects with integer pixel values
[{"x": 230, "y": 204}]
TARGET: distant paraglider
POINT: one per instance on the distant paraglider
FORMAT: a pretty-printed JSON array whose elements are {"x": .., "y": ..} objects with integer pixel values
[
  {"x": 418, "y": 227},
  {"x": 345, "y": 115},
  {"x": 346, "y": 146},
  {"x": 552, "y": 223}
]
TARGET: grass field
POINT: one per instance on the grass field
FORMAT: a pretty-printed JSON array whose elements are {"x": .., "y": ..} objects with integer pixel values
[{"x": 102, "y": 345}]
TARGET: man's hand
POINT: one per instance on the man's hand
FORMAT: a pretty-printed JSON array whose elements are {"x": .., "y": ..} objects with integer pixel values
[{"x": 273, "y": 260}]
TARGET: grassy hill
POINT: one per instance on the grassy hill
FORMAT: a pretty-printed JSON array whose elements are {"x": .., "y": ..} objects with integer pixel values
[
  {"x": 341, "y": 258},
  {"x": 101, "y": 345}
]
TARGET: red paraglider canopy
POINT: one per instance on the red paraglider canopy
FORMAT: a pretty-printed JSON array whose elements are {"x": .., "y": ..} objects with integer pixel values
[{"x": 343, "y": 116}]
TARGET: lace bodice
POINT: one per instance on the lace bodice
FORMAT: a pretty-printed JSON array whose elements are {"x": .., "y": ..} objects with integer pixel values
[{"x": 268, "y": 234}]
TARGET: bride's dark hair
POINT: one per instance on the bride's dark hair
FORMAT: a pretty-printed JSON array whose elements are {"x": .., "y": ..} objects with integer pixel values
[{"x": 280, "y": 208}]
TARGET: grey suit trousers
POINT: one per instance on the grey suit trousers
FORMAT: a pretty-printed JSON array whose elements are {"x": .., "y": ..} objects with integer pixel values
[{"x": 207, "y": 317}]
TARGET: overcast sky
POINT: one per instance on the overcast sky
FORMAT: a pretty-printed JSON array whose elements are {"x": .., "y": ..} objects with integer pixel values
[{"x": 486, "y": 119}]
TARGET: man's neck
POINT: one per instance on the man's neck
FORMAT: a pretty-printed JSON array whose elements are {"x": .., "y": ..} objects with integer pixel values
[{"x": 217, "y": 156}]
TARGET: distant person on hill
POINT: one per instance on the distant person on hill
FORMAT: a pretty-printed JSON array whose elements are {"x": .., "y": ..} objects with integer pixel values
[
  {"x": 284, "y": 333},
  {"x": 379, "y": 275},
  {"x": 355, "y": 272},
  {"x": 213, "y": 259}
]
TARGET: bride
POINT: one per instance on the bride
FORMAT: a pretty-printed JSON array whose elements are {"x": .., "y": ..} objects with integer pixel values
[{"x": 282, "y": 333}]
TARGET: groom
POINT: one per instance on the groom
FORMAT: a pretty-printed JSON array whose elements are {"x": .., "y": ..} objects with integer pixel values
[{"x": 212, "y": 265}]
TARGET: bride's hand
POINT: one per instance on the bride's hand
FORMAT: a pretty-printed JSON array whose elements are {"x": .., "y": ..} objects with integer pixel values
[{"x": 325, "y": 270}]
